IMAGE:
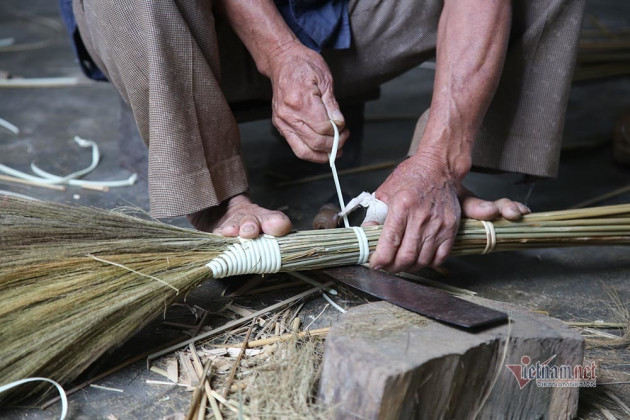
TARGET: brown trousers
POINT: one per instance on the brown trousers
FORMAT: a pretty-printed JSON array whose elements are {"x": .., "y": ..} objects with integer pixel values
[{"x": 166, "y": 59}]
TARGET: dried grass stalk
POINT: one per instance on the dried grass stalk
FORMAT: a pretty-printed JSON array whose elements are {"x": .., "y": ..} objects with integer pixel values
[
  {"x": 285, "y": 386},
  {"x": 76, "y": 281}
]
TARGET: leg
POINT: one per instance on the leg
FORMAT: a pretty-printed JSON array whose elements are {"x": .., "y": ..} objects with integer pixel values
[
  {"x": 163, "y": 58},
  {"x": 529, "y": 107},
  {"x": 523, "y": 126},
  {"x": 391, "y": 37}
]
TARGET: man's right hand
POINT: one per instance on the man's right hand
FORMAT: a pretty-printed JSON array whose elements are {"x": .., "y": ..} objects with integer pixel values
[
  {"x": 304, "y": 103},
  {"x": 303, "y": 99}
]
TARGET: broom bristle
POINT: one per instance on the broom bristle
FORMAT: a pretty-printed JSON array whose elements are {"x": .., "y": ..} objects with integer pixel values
[
  {"x": 76, "y": 281},
  {"x": 64, "y": 302}
]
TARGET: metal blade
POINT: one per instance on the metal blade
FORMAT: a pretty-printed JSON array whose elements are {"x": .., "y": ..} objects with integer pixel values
[{"x": 415, "y": 297}]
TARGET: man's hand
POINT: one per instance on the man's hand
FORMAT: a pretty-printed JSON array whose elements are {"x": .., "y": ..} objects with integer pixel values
[
  {"x": 423, "y": 215},
  {"x": 424, "y": 194},
  {"x": 303, "y": 99},
  {"x": 304, "y": 102}
]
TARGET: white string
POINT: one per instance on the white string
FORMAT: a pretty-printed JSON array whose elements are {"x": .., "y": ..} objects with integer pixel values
[
  {"x": 96, "y": 158},
  {"x": 364, "y": 245},
  {"x": 62, "y": 393},
  {"x": 491, "y": 236},
  {"x": 251, "y": 256},
  {"x": 333, "y": 168},
  {"x": 8, "y": 126},
  {"x": 71, "y": 179},
  {"x": 301, "y": 276},
  {"x": 333, "y": 304}
]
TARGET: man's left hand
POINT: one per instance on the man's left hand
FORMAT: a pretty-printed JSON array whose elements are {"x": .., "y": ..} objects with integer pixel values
[{"x": 423, "y": 216}]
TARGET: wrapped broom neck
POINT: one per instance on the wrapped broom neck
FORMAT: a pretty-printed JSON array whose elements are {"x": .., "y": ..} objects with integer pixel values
[{"x": 308, "y": 250}]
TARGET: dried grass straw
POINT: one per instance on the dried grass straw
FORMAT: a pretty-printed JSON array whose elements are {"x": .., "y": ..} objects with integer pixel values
[
  {"x": 76, "y": 281},
  {"x": 285, "y": 386}
]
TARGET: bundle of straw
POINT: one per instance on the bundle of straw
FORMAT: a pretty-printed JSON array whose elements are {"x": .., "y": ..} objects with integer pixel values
[{"x": 76, "y": 281}]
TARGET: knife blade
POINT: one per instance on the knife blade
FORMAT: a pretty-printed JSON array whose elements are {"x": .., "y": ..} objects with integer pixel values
[{"x": 418, "y": 298}]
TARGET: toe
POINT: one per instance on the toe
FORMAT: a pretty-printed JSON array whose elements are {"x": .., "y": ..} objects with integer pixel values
[
  {"x": 509, "y": 209},
  {"x": 250, "y": 227},
  {"x": 276, "y": 224},
  {"x": 476, "y": 208},
  {"x": 523, "y": 208},
  {"x": 229, "y": 228}
]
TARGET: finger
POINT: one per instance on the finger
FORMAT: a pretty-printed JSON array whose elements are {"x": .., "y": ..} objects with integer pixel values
[
  {"x": 316, "y": 142},
  {"x": 292, "y": 123},
  {"x": 321, "y": 110},
  {"x": 523, "y": 208},
  {"x": 390, "y": 240},
  {"x": 332, "y": 108},
  {"x": 429, "y": 247},
  {"x": 324, "y": 127},
  {"x": 308, "y": 117},
  {"x": 442, "y": 252},
  {"x": 299, "y": 147},
  {"x": 314, "y": 113},
  {"x": 407, "y": 255},
  {"x": 319, "y": 135},
  {"x": 343, "y": 137}
]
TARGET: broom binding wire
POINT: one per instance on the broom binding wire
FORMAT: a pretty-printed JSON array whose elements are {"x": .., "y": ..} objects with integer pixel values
[{"x": 250, "y": 256}]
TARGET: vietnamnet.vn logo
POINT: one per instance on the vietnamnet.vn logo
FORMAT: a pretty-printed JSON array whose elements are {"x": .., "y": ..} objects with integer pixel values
[{"x": 547, "y": 375}]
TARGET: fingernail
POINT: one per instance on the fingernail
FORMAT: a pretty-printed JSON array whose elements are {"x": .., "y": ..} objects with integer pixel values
[
  {"x": 248, "y": 228},
  {"x": 486, "y": 204},
  {"x": 377, "y": 267}
]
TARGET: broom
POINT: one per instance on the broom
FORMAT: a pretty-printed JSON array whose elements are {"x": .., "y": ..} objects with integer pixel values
[{"x": 76, "y": 281}]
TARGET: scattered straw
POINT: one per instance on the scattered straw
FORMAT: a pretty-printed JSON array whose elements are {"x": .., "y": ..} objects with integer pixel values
[
  {"x": 396, "y": 319},
  {"x": 621, "y": 311},
  {"x": 286, "y": 385}
]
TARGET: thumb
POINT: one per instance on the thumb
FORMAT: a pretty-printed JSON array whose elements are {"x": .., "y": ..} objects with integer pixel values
[{"x": 332, "y": 108}]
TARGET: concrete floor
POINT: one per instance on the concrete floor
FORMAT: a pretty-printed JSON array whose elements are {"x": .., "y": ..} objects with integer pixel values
[{"x": 570, "y": 284}]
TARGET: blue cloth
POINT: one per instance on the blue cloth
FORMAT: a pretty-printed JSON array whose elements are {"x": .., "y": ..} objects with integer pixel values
[
  {"x": 318, "y": 24},
  {"x": 85, "y": 61}
]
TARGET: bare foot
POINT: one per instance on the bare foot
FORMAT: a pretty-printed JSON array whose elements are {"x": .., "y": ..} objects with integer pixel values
[
  {"x": 238, "y": 216},
  {"x": 476, "y": 208}
]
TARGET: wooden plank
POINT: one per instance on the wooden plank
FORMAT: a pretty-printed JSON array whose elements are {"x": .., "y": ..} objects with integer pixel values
[{"x": 382, "y": 362}]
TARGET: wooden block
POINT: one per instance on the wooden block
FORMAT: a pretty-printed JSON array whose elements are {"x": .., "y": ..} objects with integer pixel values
[{"x": 383, "y": 362}]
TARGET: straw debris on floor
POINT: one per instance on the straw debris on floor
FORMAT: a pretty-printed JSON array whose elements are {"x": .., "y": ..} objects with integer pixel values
[{"x": 233, "y": 375}]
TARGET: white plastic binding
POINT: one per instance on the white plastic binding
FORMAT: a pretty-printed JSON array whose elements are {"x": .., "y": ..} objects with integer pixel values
[
  {"x": 491, "y": 236},
  {"x": 251, "y": 256}
]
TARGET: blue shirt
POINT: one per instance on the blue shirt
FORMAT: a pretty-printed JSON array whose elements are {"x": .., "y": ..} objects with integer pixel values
[{"x": 318, "y": 24}]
